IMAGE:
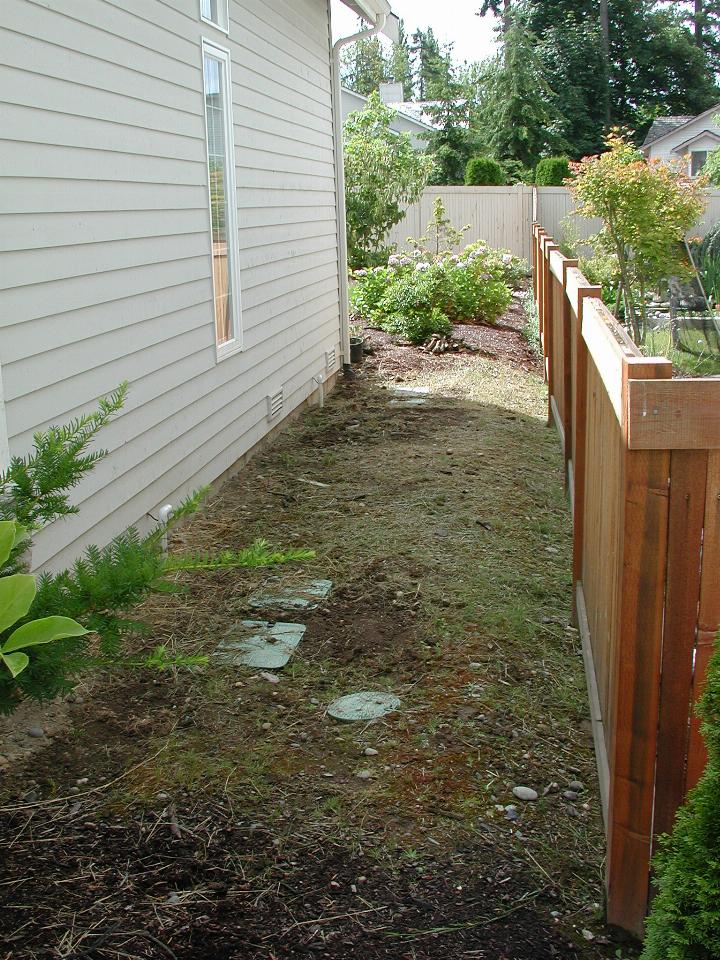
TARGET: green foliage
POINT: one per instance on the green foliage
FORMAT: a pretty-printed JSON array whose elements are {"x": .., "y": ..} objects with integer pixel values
[
  {"x": 484, "y": 172},
  {"x": 646, "y": 208},
  {"x": 17, "y": 592},
  {"x": 712, "y": 164},
  {"x": 34, "y": 490},
  {"x": 518, "y": 116},
  {"x": 417, "y": 325},
  {"x": 382, "y": 171},
  {"x": 421, "y": 294},
  {"x": 364, "y": 65},
  {"x": 517, "y": 172},
  {"x": 552, "y": 171},
  {"x": 440, "y": 237},
  {"x": 684, "y": 923},
  {"x": 56, "y": 614}
]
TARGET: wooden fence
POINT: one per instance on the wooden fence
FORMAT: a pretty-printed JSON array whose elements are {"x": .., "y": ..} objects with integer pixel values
[
  {"x": 642, "y": 454},
  {"x": 502, "y": 216}
]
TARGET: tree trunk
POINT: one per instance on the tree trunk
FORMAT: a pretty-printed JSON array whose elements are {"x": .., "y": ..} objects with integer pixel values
[
  {"x": 698, "y": 21},
  {"x": 605, "y": 30}
]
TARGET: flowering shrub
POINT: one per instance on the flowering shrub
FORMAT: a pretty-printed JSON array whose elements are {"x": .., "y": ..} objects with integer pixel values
[
  {"x": 647, "y": 207},
  {"x": 420, "y": 294}
]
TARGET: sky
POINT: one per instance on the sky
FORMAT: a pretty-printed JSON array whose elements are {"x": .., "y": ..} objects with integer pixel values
[{"x": 452, "y": 21}]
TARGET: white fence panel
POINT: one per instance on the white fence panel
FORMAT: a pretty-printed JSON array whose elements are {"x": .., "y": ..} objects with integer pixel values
[
  {"x": 499, "y": 215},
  {"x": 502, "y": 216}
]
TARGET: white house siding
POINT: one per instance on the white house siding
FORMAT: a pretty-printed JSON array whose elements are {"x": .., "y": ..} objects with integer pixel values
[
  {"x": 675, "y": 144},
  {"x": 106, "y": 262}
]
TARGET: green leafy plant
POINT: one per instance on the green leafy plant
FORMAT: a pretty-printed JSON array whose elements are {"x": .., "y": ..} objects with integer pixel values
[
  {"x": 684, "y": 923},
  {"x": 17, "y": 592},
  {"x": 417, "y": 325},
  {"x": 58, "y": 613},
  {"x": 484, "y": 172},
  {"x": 552, "y": 171},
  {"x": 647, "y": 207},
  {"x": 382, "y": 172},
  {"x": 440, "y": 237}
]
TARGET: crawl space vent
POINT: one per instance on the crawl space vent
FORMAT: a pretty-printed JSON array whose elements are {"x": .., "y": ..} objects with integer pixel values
[
  {"x": 275, "y": 405},
  {"x": 330, "y": 359}
]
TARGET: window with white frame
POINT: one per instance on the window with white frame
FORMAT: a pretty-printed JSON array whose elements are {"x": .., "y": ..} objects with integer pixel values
[
  {"x": 698, "y": 159},
  {"x": 223, "y": 197},
  {"x": 216, "y": 13}
]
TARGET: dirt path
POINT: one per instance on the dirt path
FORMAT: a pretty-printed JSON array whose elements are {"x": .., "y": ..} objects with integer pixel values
[{"x": 217, "y": 814}]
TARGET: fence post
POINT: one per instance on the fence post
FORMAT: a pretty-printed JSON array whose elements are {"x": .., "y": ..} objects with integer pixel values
[
  {"x": 547, "y": 246},
  {"x": 567, "y": 412},
  {"x": 550, "y": 329},
  {"x": 579, "y": 419},
  {"x": 708, "y": 612},
  {"x": 534, "y": 259},
  {"x": 688, "y": 483},
  {"x": 539, "y": 279},
  {"x": 633, "y": 752}
]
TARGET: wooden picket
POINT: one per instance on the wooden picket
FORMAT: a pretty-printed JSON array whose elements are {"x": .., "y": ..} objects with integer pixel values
[{"x": 642, "y": 454}]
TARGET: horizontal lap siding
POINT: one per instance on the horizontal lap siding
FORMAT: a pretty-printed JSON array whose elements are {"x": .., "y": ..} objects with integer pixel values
[{"x": 104, "y": 247}]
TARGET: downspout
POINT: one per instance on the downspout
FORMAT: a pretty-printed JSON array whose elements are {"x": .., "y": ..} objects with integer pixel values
[{"x": 340, "y": 186}]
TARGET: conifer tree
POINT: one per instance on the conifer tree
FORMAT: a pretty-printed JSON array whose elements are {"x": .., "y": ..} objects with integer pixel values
[{"x": 400, "y": 63}]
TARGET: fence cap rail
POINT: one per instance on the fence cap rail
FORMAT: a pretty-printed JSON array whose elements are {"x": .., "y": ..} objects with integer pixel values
[{"x": 673, "y": 414}]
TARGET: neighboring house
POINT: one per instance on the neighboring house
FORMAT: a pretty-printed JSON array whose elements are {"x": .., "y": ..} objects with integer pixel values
[
  {"x": 404, "y": 122},
  {"x": 672, "y": 138},
  {"x": 170, "y": 218}
]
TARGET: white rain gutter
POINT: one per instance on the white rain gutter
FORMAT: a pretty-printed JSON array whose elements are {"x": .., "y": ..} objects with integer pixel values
[{"x": 340, "y": 184}]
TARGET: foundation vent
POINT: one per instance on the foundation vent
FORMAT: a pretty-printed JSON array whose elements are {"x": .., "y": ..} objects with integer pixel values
[
  {"x": 275, "y": 404},
  {"x": 330, "y": 359}
]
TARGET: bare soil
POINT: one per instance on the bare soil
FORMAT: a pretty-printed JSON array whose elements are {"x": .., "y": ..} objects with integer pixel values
[{"x": 213, "y": 813}]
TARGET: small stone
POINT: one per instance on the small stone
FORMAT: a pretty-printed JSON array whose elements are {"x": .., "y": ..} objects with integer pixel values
[
  {"x": 81, "y": 781},
  {"x": 362, "y": 880},
  {"x": 525, "y": 793},
  {"x": 162, "y": 797},
  {"x": 36, "y": 732},
  {"x": 270, "y": 677},
  {"x": 266, "y": 726},
  {"x": 551, "y": 788},
  {"x": 588, "y": 934},
  {"x": 74, "y": 789},
  {"x": 577, "y": 786},
  {"x": 353, "y": 888},
  {"x": 511, "y": 813},
  {"x": 363, "y": 774},
  {"x": 573, "y": 769},
  {"x": 569, "y": 795},
  {"x": 475, "y": 666},
  {"x": 370, "y": 752}
]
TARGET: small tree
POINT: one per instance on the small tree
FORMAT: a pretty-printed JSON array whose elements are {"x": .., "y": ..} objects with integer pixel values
[
  {"x": 552, "y": 171},
  {"x": 484, "y": 172},
  {"x": 382, "y": 171},
  {"x": 647, "y": 208},
  {"x": 684, "y": 923}
]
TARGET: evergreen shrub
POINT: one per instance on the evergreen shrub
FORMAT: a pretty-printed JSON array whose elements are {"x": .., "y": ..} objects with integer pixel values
[
  {"x": 484, "y": 172},
  {"x": 552, "y": 171}
]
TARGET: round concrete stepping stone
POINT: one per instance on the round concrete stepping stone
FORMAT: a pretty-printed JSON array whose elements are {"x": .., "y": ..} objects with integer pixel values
[{"x": 368, "y": 705}]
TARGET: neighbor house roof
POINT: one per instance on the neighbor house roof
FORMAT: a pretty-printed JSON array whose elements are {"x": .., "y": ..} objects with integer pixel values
[
  {"x": 417, "y": 110},
  {"x": 664, "y": 126},
  {"x": 696, "y": 137},
  {"x": 414, "y": 116}
]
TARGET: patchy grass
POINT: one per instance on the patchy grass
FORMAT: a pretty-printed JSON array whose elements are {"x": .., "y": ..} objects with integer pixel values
[{"x": 445, "y": 530}]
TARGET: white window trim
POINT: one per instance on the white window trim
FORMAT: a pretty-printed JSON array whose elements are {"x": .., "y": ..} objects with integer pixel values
[
  {"x": 214, "y": 23},
  {"x": 235, "y": 344}
]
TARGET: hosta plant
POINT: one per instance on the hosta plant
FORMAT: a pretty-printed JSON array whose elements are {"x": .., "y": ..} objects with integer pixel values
[{"x": 17, "y": 592}]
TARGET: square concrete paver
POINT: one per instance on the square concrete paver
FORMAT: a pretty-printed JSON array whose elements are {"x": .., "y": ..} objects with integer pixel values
[
  {"x": 259, "y": 644},
  {"x": 299, "y": 596}
]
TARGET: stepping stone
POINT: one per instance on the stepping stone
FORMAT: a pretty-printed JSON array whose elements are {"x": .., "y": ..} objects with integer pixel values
[
  {"x": 304, "y": 596},
  {"x": 258, "y": 644},
  {"x": 411, "y": 390},
  {"x": 368, "y": 705},
  {"x": 409, "y": 402}
]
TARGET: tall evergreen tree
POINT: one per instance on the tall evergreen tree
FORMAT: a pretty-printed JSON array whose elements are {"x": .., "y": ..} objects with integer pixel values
[
  {"x": 433, "y": 65},
  {"x": 364, "y": 66},
  {"x": 518, "y": 116}
]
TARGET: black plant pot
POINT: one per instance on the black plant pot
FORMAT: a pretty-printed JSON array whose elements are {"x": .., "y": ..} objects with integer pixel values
[{"x": 356, "y": 349}]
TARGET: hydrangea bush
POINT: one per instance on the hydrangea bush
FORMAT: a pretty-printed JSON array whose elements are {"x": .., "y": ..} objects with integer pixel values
[{"x": 423, "y": 293}]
